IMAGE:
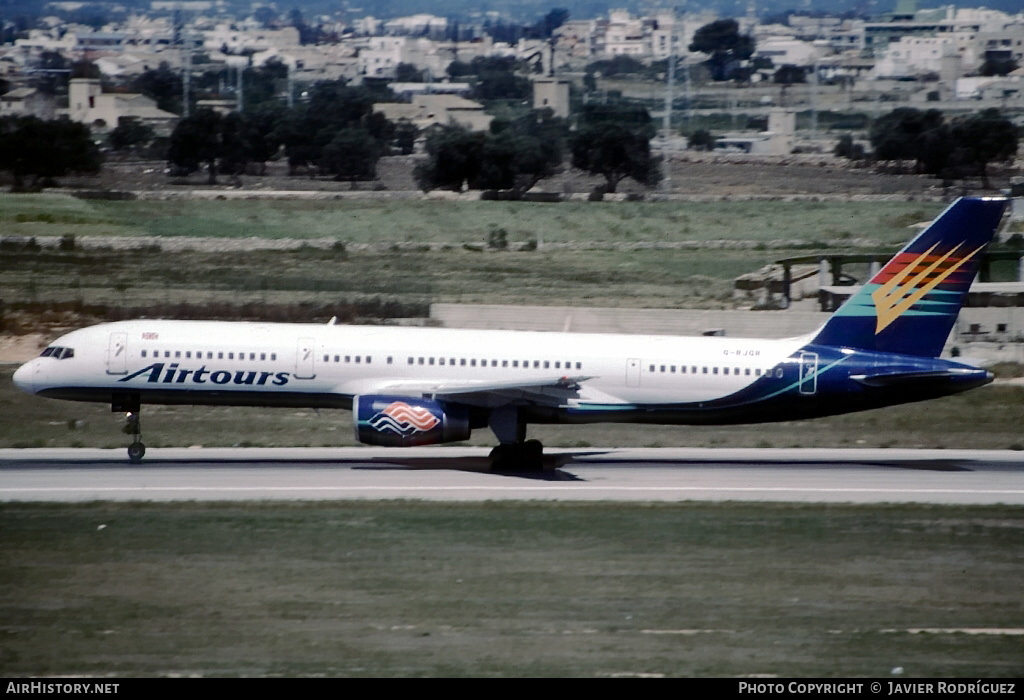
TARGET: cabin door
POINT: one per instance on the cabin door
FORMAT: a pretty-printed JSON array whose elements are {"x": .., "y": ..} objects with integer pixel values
[
  {"x": 633, "y": 372},
  {"x": 304, "y": 359},
  {"x": 808, "y": 373},
  {"x": 117, "y": 354}
]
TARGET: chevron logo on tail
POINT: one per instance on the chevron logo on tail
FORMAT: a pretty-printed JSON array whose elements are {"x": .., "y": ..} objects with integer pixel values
[{"x": 894, "y": 297}]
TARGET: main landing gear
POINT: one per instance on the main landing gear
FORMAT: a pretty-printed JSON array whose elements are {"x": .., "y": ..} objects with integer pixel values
[
  {"x": 515, "y": 453},
  {"x": 133, "y": 427}
]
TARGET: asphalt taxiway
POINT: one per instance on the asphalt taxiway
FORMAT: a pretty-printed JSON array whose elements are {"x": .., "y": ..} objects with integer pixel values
[{"x": 460, "y": 474}]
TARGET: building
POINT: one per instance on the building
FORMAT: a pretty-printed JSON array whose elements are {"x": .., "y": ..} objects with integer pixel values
[
  {"x": 26, "y": 102},
  {"x": 87, "y": 103},
  {"x": 428, "y": 110},
  {"x": 553, "y": 94}
]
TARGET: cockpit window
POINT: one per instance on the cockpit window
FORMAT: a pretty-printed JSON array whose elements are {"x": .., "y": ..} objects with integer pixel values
[{"x": 58, "y": 353}]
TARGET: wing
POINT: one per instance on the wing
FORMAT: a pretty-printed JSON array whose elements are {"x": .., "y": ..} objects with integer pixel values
[{"x": 552, "y": 391}]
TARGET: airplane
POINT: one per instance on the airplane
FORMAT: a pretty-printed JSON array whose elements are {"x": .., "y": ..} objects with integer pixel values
[{"x": 424, "y": 386}]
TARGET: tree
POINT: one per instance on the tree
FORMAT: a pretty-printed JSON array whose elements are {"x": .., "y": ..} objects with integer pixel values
[
  {"x": 614, "y": 141},
  {"x": 846, "y": 148},
  {"x": 162, "y": 85},
  {"x": 493, "y": 78},
  {"x": 405, "y": 137},
  {"x": 997, "y": 66},
  {"x": 234, "y": 149},
  {"x": 261, "y": 132},
  {"x": 789, "y": 75},
  {"x": 351, "y": 155},
  {"x": 408, "y": 73},
  {"x": 333, "y": 106},
  {"x": 454, "y": 157},
  {"x": 983, "y": 139},
  {"x": 130, "y": 132},
  {"x": 910, "y": 134},
  {"x": 702, "y": 140},
  {"x": 262, "y": 85},
  {"x": 722, "y": 41},
  {"x": 554, "y": 19},
  {"x": 45, "y": 149},
  {"x": 197, "y": 140}
]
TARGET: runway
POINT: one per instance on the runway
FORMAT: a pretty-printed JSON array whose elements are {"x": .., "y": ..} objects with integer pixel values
[{"x": 459, "y": 474}]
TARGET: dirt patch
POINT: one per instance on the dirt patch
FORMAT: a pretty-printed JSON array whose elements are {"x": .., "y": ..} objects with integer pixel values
[{"x": 22, "y": 348}]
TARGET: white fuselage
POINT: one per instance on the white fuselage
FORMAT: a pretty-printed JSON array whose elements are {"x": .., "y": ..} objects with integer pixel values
[{"x": 227, "y": 362}]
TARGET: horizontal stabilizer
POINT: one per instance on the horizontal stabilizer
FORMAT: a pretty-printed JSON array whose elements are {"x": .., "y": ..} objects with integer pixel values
[{"x": 893, "y": 379}]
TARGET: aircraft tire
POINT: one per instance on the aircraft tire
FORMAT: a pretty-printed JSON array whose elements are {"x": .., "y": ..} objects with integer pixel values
[{"x": 136, "y": 451}]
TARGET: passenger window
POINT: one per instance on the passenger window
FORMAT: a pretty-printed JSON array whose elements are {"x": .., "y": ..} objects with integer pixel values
[{"x": 143, "y": 353}]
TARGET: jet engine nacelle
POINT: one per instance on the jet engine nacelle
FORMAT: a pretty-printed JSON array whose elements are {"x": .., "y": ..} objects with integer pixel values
[{"x": 400, "y": 421}]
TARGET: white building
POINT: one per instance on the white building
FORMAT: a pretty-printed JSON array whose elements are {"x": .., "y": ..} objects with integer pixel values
[
  {"x": 788, "y": 52},
  {"x": 912, "y": 56}
]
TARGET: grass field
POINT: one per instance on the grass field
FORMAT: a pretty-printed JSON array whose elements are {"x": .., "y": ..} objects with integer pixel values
[
  {"x": 408, "y": 589},
  {"x": 617, "y": 276},
  {"x": 369, "y": 221}
]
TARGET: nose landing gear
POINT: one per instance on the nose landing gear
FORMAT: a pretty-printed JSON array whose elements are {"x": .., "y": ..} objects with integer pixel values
[{"x": 133, "y": 427}]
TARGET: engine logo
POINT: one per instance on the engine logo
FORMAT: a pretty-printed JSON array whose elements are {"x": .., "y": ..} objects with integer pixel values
[{"x": 401, "y": 418}]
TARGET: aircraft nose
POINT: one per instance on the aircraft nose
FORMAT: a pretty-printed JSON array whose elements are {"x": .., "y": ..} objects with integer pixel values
[{"x": 23, "y": 377}]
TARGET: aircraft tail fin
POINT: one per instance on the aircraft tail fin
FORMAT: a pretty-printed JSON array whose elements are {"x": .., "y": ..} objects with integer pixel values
[{"x": 910, "y": 305}]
